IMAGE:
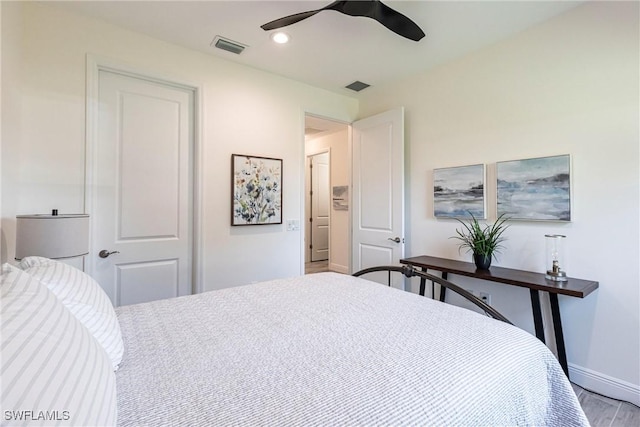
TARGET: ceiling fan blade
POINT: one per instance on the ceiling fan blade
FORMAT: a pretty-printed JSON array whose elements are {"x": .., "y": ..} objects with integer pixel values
[
  {"x": 397, "y": 22},
  {"x": 393, "y": 20},
  {"x": 288, "y": 20},
  {"x": 355, "y": 7},
  {"x": 292, "y": 19},
  {"x": 375, "y": 9}
]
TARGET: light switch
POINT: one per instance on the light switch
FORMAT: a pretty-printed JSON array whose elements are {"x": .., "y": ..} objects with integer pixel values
[{"x": 293, "y": 224}]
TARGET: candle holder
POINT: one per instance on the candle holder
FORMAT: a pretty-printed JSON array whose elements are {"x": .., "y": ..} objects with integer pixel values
[{"x": 555, "y": 258}]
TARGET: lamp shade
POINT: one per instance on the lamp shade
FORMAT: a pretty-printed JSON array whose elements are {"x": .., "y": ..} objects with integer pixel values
[{"x": 52, "y": 236}]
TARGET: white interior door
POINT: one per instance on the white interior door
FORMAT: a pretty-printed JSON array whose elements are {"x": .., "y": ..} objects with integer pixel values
[
  {"x": 143, "y": 189},
  {"x": 378, "y": 191},
  {"x": 319, "y": 164}
]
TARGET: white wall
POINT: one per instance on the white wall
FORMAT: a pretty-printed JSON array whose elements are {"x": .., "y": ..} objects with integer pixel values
[
  {"x": 245, "y": 111},
  {"x": 567, "y": 86},
  {"x": 339, "y": 241},
  {"x": 11, "y": 120}
]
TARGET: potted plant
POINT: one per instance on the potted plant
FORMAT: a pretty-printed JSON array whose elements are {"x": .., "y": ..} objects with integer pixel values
[{"x": 484, "y": 242}]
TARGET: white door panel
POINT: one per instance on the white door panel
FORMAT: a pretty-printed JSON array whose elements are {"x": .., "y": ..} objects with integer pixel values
[
  {"x": 378, "y": 191},
  {"x": 153, "y": 280},
  {"x": 143, "y": 198},
  {"x": 376, "y": 255},
  {"x": 320, "y": 207},
  {"x": 149, "y": 166},
  {"x": 379, "y": 255}
]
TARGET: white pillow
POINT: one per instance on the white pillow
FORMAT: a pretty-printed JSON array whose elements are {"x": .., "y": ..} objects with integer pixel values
[
  {"x": 84, "y": 298},
  {"x": 53, "y": 371}
]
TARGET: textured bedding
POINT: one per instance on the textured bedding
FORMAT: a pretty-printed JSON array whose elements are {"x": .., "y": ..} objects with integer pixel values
[{"x": 330, "y": 349}]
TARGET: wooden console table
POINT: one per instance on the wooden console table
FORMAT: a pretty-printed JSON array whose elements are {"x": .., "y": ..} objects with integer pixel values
[{"x": 535, "y": 282}]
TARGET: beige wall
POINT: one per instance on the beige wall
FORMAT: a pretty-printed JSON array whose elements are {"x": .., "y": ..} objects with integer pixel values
[
  {"x": 245, "y": 111},
  {"x": 339, "y": 147},
  {"x": 567, "y": 86}
]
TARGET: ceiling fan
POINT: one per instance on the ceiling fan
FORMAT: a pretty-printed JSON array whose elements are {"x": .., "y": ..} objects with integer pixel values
[{"x": 374, "y": 9}]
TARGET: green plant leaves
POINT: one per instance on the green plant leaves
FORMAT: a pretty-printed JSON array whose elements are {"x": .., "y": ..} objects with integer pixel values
[{"x": 480, "y": 240}]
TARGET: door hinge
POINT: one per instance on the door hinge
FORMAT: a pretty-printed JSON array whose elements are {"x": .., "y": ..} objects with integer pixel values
[
  {"x": 310, "y": 219},
  {"x": 310, "y": 246}
]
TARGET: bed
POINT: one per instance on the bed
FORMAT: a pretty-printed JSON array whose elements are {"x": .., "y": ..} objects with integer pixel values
[{"x": 330, "y": 349}]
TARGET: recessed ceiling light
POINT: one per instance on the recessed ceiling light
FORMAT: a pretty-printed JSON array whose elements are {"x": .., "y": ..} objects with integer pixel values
[{"x": 280, "y": 37}]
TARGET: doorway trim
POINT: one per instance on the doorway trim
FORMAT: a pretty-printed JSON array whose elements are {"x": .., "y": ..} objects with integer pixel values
[
  {"x": 304, "y": 189},
  {"x": 95, "y": 64}
]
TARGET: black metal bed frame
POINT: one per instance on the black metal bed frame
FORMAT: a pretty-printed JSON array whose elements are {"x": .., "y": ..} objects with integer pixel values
[{"x": 409, "y": 271}]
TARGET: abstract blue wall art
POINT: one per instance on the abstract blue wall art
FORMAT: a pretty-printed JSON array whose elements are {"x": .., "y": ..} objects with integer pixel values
[
  {"x": 535, "y": 189},
  {"x": 459, "y": 192}
]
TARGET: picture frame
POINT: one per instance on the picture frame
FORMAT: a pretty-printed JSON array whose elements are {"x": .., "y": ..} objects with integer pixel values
[
  {"x": 256, "y": 190},
  {"x": 340, "y": 198},
  {"x": 459, "y": 192},
  {"x": 536, "y": 189}
]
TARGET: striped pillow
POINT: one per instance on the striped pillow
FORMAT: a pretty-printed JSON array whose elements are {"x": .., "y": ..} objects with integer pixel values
[
  {"x": 84, "y": 298},
  {"x": 53, "y": 371}
]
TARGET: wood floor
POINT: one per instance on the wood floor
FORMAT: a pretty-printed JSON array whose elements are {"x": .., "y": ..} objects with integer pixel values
[
  {"x": 606, "y": 412},
  {"x": 600, "y": 410},
  {"x": 316, "y": 267}
]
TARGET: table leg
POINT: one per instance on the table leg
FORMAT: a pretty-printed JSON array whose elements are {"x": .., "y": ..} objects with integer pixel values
[
  {"x": 443, "y": 290},
  {"x": 423, "y": 282},
  {"x": 537, "y": 314},
  {"x": 557, "y": 329}
]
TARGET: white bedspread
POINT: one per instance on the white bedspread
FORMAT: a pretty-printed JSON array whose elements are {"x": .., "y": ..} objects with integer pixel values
[{"x": 328, "y": 349}]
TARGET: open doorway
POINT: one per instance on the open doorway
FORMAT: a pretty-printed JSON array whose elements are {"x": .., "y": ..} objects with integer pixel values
[{"x": 327, "y": 169}]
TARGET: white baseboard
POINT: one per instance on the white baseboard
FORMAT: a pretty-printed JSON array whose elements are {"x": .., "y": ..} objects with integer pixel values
[
  {"x": 604, "y": 384},
  {"x": 339, "y": 268}
]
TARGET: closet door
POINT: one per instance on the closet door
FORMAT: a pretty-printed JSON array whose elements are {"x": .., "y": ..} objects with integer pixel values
[{"x": 143, "y": 189}]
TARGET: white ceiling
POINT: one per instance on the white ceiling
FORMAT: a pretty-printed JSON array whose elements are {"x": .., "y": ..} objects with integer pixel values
[
  {"x": 317, "y": 126},
  {"x": 328, "y": 50}
]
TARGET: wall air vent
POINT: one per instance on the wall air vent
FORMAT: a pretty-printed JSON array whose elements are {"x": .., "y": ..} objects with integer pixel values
[
  {"x": 228, "y": 45},
  {"x": 357, "y": 86}
]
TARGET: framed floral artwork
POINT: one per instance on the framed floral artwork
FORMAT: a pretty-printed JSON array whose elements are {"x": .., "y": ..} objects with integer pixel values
[{"x": 256, "y": 190}]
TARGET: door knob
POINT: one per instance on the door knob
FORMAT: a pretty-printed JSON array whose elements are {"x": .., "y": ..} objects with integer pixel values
[
  {"x": 105, "y": 253},
  {"x": 395, "y": 239}
]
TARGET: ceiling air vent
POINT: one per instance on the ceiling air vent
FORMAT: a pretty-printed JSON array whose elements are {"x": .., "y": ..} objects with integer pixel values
[
  {"x": 357, "y": 86},
  {"x": 228, "y": 45}
]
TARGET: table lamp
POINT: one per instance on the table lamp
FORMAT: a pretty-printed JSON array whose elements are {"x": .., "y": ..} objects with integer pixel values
[
  {"x": 555, "y": 258},
  {"x": 52, "y": 236}
]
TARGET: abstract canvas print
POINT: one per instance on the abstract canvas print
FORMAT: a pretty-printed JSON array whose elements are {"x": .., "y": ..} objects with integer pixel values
[
  {"x": 459, "y": 192},
  {"x": 256, "y": 190},
  {"x": 535, "y": 189}
]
